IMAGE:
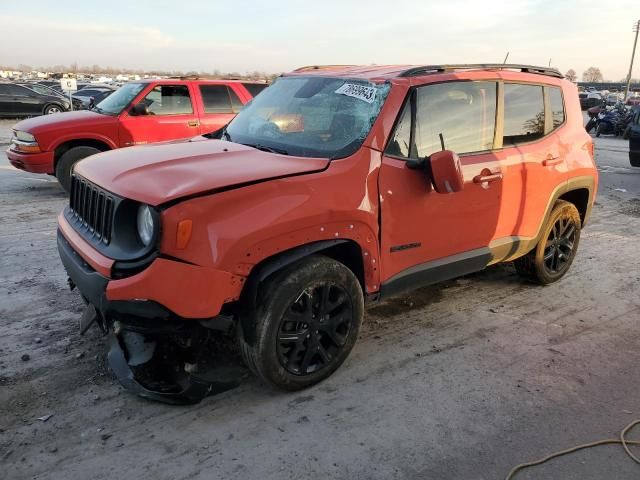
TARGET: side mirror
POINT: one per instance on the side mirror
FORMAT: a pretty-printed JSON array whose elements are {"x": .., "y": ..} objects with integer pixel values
[
  {"x": 443, "y": 169},
  {"x": 446, "y": 172},
  {"x": 140, "y": 109}
]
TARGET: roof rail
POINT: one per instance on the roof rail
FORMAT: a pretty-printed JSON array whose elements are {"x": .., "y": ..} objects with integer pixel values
[
  {"x": 424, "y": 70},
  {"x": 184, "y": 77},
  {"x": 320, "y": 67}
]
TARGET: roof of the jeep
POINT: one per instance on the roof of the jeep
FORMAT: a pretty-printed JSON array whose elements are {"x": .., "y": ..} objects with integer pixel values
[{"x": 380, "y": 73}]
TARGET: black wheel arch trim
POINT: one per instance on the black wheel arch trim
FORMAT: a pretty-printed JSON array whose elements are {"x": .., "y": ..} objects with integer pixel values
[{"x": 265, "y": 269}]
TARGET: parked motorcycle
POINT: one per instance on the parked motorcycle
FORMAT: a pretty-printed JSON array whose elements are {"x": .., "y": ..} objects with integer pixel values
[
  {"x": 595, "y": 114},
  {"x": 613, "y": 121}
]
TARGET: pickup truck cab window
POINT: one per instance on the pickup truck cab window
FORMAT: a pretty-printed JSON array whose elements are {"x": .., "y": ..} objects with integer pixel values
[
  {"x": 169, "y": 100},
  {"x": 219, "y": 99}
]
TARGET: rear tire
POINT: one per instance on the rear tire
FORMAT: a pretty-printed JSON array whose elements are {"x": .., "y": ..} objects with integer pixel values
[
  {"x": 634, "y": 162},
  {"x": 68, "y": 160},
  {"x": 550, "y": 260},
  {"x": 306, "y": 323}
]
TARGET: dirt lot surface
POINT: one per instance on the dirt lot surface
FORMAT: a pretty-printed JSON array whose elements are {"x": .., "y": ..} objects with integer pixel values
[
  {"x": 6, "y": 126},
  {"x": 458, "y": 381}
]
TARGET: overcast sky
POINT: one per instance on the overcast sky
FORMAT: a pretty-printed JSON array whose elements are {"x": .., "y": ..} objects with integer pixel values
[{"x": 276, "y": 36}]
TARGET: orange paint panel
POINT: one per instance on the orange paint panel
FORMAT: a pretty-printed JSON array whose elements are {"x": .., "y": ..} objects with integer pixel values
[{"x": 187, "y": 290}]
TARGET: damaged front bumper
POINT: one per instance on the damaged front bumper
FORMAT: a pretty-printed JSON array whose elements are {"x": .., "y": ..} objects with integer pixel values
[{"x": 155, "y": 353}]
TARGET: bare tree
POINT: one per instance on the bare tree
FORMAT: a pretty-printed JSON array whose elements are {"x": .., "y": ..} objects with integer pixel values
[
  {"x": 592, "y": 74},
  {"x": 571, "y": 75}
]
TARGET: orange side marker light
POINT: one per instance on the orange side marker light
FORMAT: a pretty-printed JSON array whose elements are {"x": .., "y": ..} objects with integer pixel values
[{"x": 183, "y": 234}]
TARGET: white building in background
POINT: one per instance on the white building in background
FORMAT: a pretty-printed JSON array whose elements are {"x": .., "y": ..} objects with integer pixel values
[{"x": 10, "y": 74}]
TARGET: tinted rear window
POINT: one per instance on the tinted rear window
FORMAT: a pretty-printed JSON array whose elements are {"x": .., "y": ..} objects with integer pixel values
[
  {"x": 523, "y": 113},
  {"x": 216, "y": 99},
  {"x": 255, "y": 88}
]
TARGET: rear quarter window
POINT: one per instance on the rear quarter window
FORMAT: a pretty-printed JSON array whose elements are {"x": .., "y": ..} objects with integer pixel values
[
  {"x": 557, "y": 106},
  {"x": 523, "y": 113}
]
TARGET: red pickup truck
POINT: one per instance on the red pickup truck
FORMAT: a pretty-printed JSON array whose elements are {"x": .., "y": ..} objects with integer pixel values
[{"x": 137, "y": 113}]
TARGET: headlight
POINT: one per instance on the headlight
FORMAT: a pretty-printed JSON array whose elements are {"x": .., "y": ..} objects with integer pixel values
[
  {"x": 146, "y": 226},
  {"x": 24, "y": 136}
]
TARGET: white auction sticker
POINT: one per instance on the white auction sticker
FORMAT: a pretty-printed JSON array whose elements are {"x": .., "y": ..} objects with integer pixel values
[{"x": 361, "y": 92}]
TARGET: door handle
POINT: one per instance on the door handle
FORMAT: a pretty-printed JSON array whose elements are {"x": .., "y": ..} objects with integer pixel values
[
  {"x": 551, "y": 161},
  {"x": 493, "y": 177},
  {"x": 193, "y": 123}
]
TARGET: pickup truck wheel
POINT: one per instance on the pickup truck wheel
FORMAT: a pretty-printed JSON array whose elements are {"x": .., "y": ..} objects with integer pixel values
[
  {"x": 68, "y": 160},
  {"x": 307, "y": 322},
  {"x": 554, "y": 253}
]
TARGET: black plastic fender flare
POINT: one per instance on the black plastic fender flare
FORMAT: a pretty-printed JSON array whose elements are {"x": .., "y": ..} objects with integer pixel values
[{"x": 265, "y": 269}]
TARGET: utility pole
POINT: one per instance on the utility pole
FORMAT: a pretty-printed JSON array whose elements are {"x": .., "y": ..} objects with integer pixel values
[{"x": 636, "y": 28}]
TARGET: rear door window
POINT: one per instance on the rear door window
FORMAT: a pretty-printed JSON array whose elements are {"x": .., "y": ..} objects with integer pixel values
[
  {"x": 218, "y": 99},
  {"x": 523, "y": 113},
  {"x": 169, "y": 100}
]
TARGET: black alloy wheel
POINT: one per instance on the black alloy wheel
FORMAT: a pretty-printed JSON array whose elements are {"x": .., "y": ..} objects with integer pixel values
[
  {"x": 306, "y": 323},
  {"x": 559, "y": 247},
  {"x": 314, "y": 329}
]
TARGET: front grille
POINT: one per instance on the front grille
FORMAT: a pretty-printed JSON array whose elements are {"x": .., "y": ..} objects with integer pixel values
[{"x": 92, "y": 208}]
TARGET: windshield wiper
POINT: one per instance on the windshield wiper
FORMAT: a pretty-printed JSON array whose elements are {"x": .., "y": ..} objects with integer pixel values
[{"x": 264, "y": 148}]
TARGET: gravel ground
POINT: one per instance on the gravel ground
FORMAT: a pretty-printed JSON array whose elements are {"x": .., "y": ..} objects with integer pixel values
[{"x": 461, "y": 380}]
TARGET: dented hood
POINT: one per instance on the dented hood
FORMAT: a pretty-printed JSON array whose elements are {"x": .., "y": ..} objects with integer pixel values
[{"x": 160, "y": 173}]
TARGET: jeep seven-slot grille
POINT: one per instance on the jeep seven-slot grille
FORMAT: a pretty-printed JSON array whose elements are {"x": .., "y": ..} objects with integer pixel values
[{"x": 92, "y": 208}]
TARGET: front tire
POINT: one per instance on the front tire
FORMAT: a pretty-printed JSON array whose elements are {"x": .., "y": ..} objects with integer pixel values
[
  {"x": 68, "y": 160},
  {"x": 599, "y": 130},
  {"x": 550, "y": 260},
  {"x": 53, "y": 108},
  {"x": 590, "y": 125},
  {"x": 307, "y": 321}
]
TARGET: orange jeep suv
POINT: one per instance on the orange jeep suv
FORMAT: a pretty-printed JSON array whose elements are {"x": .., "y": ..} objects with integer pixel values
[{"x": 336, "y": 187}]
